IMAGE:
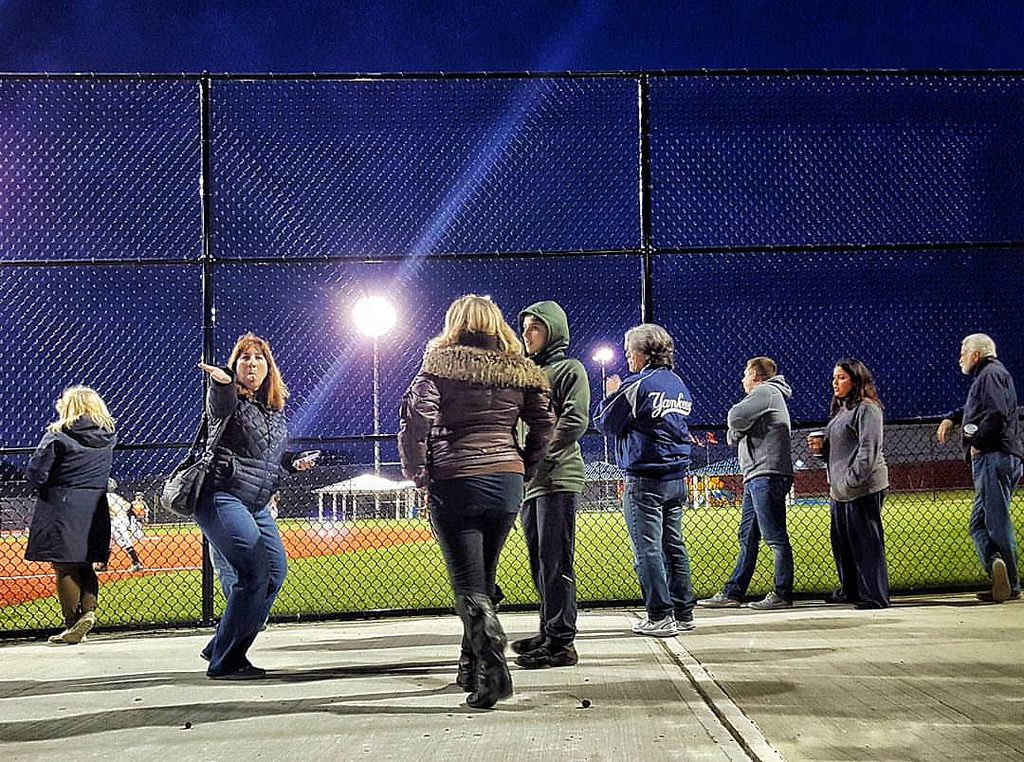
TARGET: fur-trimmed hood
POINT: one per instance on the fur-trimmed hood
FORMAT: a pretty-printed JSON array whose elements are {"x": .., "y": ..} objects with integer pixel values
[{"x": 486, "y": 367}]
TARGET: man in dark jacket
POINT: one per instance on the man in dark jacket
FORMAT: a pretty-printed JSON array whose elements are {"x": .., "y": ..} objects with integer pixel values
[
  {"x": 759, "y": 426},
  {"x": 990, "y": 428},
  {"x": 549, "y": 510},
  {"x": 646, "y": 412}
]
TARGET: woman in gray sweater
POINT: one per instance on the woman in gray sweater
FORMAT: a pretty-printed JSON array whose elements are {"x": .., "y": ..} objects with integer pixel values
[{"x": 858, "y": 478}]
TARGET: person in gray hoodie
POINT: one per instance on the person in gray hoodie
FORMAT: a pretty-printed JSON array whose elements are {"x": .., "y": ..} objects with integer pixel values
[{"x": 759, "y": 426}]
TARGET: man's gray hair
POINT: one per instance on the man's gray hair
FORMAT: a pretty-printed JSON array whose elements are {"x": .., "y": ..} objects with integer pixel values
[
  {"x": 654, "y": 343},
  {"x": 980, "y": 342}
]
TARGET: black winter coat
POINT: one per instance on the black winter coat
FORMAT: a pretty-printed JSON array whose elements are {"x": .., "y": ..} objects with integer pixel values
[
  {"x": 71, "y": 523},
  {"x": 249, "y": 461},
  {"x": 989, "y": 418},
  {"x": 459, "y": 415}
]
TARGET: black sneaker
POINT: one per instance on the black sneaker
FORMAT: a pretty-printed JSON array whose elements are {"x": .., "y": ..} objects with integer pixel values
[
  {"x": 526, "y": 645},
  {"x": 549, "y": 656},
  {"x": 870, "y": 605},
  {"x": 248, "y": 672}
]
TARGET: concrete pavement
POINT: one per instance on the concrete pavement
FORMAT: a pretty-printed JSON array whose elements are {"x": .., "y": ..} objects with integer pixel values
[{"x": 934, "y": 678}]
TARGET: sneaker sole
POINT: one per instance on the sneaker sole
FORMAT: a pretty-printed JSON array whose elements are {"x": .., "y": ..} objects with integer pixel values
[
  {"x": 660, "y": 633},
  {"x": 545, "y": 664},
  {"x": 1000, "y": 581},
  {"x": 717, "y": 605}
]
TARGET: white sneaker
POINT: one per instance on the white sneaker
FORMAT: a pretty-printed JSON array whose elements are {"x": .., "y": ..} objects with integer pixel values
[
  {"x": 76, "y": 633},
  {"x": 1000, "y": 581},
  {"x": 771, "y": 602},
  {"x": 662, "y": 628}
]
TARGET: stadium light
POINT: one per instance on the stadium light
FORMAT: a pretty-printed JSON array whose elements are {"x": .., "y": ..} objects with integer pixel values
[
  {"x": 375, "y": 316},
  {"x": 603, "y": 355}
]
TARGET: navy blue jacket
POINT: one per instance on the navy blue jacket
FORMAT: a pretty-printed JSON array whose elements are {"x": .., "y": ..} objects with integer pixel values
[
  {"x": 69, "y": 469},
  {"x": 990, "y": 421},
  {"x": 250, "y": 459},
  {"x": 647, "y": 416}
]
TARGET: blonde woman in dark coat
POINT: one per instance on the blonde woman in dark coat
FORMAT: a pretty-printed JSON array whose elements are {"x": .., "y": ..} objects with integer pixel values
[{"x": 71, "y": 525}]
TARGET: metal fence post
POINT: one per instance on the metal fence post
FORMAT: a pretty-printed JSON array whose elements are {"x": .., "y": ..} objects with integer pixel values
[
  {"x": 209, "y": 309},
  {"x": 646, "y": 233}
]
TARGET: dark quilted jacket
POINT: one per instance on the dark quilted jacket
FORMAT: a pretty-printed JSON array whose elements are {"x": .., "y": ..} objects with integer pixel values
[
  {"x": 249, "y": 460},
  {"x": 461, "y": 410}
]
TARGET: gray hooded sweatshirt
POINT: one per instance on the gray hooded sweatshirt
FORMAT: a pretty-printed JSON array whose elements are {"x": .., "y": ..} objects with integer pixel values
[{"x": 759, "y": 425}]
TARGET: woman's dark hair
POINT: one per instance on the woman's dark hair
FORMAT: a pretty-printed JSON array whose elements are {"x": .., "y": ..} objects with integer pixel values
[{"x": 863, "y": 385}]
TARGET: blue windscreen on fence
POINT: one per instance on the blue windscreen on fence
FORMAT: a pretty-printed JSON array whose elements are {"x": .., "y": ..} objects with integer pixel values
[
  {"x": 372, "y": 168},
  {"x": 813, "y": 160},
  {"x": 99, "y": 169}
]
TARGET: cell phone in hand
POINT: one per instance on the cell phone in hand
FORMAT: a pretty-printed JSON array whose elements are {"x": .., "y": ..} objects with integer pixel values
[{"x": 307, "y": 456}]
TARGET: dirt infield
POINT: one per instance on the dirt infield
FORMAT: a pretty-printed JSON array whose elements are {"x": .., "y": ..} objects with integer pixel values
[{"x": 24, "y": 581}]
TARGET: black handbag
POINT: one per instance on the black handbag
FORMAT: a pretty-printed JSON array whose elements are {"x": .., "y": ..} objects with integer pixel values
[{"x": 181, "y": 490}]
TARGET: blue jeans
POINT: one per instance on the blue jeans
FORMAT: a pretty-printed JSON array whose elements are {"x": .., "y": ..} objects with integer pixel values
[
  {"x": 764, "y": 514},
  {"x": 995, "y": 475},
  {"x": 251, "y": 545},
  {"x": 226, "y": 575},
  {"x": 654, "y": 511}
]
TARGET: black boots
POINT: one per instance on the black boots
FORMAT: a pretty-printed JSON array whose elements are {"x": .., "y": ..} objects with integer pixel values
[
  {"x": 487, "y": 639},
  {"x": 466, "y": 676}
]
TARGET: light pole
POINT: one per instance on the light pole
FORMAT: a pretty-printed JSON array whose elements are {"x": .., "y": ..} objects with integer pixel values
[
  {"x": 375, "y": 316},
  {"x": 602, "y": 356}
]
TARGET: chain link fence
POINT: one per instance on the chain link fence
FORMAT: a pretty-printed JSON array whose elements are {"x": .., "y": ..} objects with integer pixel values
[{"x": 149, "y": 221}]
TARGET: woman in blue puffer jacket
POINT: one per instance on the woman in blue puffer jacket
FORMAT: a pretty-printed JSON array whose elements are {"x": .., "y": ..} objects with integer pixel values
[{"x": 247, "y": 398}]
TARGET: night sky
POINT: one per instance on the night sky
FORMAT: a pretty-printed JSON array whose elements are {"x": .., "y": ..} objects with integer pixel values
[{"x": 304, "y": 36}]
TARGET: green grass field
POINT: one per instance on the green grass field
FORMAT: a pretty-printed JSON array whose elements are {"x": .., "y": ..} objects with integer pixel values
[{"x": 926, "y": 545}]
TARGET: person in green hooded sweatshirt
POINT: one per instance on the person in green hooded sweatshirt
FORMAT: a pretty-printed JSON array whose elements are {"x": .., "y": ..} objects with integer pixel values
[{"x": 549, "y": 509}]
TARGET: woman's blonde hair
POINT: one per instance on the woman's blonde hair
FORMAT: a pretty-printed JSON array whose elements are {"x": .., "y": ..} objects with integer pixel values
[
  {"x": 476, "y": 314},
  {"x": 78, "y": 401},
  {"x": 273, "y": 389}
]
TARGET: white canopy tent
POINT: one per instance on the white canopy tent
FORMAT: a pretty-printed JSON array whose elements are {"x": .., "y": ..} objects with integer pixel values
[{"x": 368, "y": 496}]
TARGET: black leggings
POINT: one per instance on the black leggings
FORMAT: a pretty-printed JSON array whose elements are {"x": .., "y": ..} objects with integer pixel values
[{"x": 77, "y": 590}]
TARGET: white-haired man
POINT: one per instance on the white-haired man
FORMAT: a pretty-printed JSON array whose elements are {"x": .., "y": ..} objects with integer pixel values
[{"x": 990, "y": 427}]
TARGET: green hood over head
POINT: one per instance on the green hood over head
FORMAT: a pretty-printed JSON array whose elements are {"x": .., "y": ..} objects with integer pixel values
[{"x": 553, "y": 317}]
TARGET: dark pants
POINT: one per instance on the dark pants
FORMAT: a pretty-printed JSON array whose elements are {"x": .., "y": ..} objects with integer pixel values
[
  {"x": 654, "y": 512},
  {"x": 549, "y": 525},
  {"x": 995, "y": 475},
  {"x": 251, "y": 545},
  {"x": 858, "y": 546},
  {"x": 764, "y": 515},
  {"x": 471, "y": 521}
]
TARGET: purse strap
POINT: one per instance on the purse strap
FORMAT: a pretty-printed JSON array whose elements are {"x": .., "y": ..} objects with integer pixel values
[
  {"x": 221, "y": 425},
  {"x": 199, "y": 448}
]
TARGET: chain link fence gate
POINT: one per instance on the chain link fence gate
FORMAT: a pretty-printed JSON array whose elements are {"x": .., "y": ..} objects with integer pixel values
[{"x": 147, "y": 220}]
